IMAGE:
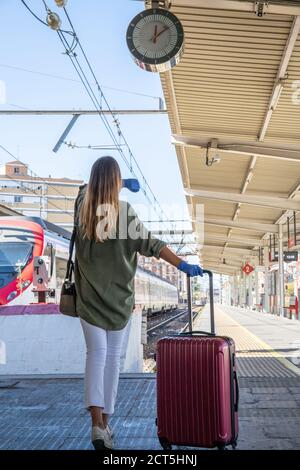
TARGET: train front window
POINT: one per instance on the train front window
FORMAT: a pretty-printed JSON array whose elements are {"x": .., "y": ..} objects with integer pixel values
[{"x": 13, "y": 258}]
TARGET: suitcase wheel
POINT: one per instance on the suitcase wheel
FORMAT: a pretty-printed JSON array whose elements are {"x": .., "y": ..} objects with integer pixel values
[
  {"x": 221, "y": 447},
  {"x": 165, "y": 444},
  {"x": 234, "y": 445}
]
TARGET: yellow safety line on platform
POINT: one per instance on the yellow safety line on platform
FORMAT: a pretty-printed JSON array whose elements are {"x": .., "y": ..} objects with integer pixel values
[
  {"x": 267, "y": 348},
  {"x": 247, "y": 344}
]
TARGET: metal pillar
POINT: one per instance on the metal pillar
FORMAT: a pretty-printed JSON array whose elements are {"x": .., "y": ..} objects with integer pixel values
[
  {"x": 266, "y": 306},
  {"x": 257, "y": 300},
  {"x": 244, "y": 290},
  {"x": 236, "y": 290},
  {"x": 232, "y": 290},
  {"x": 281, "y": 270},
  {"x": 240, "y": 303},
  {"x": 221, "y": 289},
  {"x": 250, "y": 287}
]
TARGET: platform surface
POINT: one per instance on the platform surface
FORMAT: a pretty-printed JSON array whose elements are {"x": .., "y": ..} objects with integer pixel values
[{"x": 48, "y": 413}]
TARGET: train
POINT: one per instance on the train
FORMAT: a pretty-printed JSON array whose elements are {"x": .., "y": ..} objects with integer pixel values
[
  {"x": 201, "y": 302},
  {"x": 23, "y": 239}
]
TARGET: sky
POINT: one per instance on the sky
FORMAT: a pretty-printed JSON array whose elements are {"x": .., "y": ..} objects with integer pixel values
[{"x": 101, "y": 26}]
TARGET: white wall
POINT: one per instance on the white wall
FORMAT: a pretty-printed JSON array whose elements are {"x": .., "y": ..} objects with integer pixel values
[{"x": 54, "y": 344}]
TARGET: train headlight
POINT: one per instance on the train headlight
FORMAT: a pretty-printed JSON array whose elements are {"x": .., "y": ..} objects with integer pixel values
[
  {"x": 26, "y": 283},
  {"x": 12, "y": 295}
]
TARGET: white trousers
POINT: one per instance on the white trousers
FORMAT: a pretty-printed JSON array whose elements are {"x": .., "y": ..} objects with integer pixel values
[{"x": 102, "y": 366}]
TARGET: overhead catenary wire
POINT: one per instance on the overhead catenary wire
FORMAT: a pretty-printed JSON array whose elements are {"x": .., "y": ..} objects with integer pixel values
[
  {"x": 68, "y": 79},
  {"x": 32, "y": 12},
  {"x": 90, "y": 147},
  {"x": 107, "y": 125},
  {"x": 69, "y": 49},
  {"x": 131, "y": 160},
  {"x": 79, "y": 70},
  {"x": 94, "y": 99},
  {"x": 37, "y": 17}
]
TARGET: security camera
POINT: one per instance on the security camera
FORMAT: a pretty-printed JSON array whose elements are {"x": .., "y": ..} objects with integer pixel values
[{"x": 216, "y": 159}]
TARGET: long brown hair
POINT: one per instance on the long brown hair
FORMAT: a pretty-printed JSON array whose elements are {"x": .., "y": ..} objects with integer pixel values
[{"x": 101, "y": 200}]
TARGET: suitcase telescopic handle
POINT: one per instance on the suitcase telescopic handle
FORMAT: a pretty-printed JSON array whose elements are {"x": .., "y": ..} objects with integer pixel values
[
  {"x": 237, "y": 392},
  {"x": 211, "y": 302}
]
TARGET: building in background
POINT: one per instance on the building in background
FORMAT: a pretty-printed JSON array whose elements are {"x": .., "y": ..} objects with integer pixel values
[
  {"x": 161, "y": 268},
  {"x": 49, "y": 198}
]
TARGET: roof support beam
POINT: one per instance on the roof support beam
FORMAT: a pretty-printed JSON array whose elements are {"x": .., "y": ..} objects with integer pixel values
[
  {"x": 182, "y": 159},
  {"x": 244, "y": 251},
  {"x": 236, "y": 257},
  {"x": 247, "y": 180},
  {"x": 227, "y": 148},
  {"x": 281, "y": 76},
  {"x": 220, "y": 262},
  {"x": 211, "y": 259},
  {"x": 181, "y": 153},
  {"x": 260, "y": 201},
  {"x": 236, "y": 241},
  {"x": 269, "y": 228},
  {"x": 221, "y": 269},
  {"x": 283, "y": 8},
  {"x": 283, "y": 217}
]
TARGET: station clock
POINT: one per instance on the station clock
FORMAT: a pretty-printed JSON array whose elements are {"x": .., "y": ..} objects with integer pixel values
[{"x": 155, "y": 38}]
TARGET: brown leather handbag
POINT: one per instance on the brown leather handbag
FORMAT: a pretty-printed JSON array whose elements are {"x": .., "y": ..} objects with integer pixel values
[{"x": 67, "y": 304}]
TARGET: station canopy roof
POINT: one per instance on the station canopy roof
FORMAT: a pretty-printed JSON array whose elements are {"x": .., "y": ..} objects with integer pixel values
[{"x": 234, "y": 108}]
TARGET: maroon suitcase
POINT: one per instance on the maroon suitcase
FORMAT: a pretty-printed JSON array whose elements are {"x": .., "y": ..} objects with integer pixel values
[{"x": 197, "y": 387}]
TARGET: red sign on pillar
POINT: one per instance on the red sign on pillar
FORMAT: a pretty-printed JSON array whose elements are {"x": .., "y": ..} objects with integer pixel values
[{"x": 247, "y": 269}]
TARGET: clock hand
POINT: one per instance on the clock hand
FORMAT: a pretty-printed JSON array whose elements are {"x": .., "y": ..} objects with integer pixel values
[
  {"x": 155, "y": 33},
  {"x": 162, "y": 31}
]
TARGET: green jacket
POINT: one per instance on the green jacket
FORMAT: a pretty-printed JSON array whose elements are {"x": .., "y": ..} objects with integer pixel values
[{"x": 104, "y": 272}]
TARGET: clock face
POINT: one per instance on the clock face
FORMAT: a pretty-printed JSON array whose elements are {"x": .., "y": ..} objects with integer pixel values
[{"x": 155, "y": 39}]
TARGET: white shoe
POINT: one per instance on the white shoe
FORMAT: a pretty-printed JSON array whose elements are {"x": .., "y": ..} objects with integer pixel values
[
  {"x": 101, "y": 438},
  {"x": 110, "y": 431}
]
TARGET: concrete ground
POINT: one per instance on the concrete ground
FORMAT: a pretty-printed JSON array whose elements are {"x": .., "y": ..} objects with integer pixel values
[{"x": 43, "y": 413}]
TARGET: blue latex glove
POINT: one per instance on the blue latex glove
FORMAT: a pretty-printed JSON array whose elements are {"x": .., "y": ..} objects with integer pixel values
[
  {"x": 190, "y": 269},
  {"x": 132, "y": 184}
]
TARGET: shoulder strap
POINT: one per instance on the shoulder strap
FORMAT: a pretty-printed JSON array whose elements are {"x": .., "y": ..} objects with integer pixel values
[
  {"x": 70, "y": 264},
  {"x": 72, "y": 242}
]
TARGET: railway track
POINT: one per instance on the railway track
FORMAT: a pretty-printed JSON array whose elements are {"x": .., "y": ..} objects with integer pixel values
[
  {"x": 176, "y": 324},
  {"x": 166, "y": 322}
]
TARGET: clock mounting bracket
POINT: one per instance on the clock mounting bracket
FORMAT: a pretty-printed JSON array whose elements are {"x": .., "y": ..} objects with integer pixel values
[{"x": 165, "y": 4}]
